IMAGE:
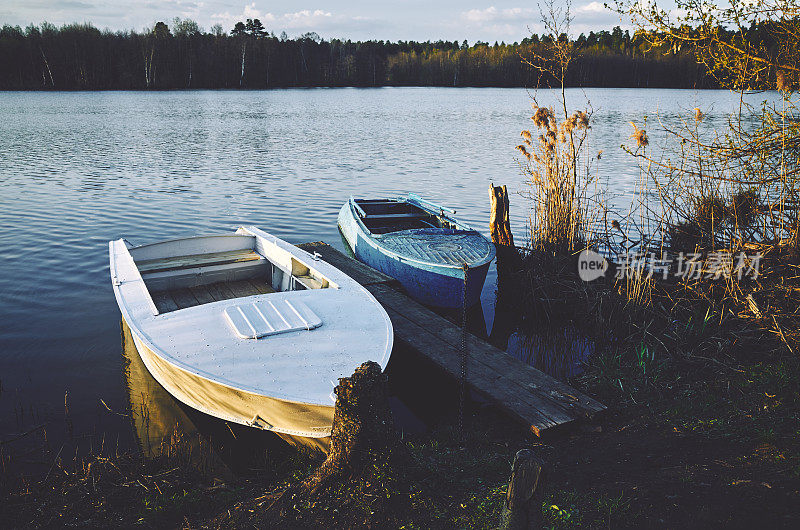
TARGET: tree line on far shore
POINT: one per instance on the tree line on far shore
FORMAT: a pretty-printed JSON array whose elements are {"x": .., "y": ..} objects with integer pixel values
[{"x": 183, "y": 56}]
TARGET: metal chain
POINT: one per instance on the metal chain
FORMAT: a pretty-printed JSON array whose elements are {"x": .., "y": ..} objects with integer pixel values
[{"x": 463, "y": 395}]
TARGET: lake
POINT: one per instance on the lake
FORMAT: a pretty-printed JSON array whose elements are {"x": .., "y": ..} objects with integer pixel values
[{"x": 78, "y": 169}]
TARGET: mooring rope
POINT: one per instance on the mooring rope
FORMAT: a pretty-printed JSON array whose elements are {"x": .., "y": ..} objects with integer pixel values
[{"x": 463, "y": 394}]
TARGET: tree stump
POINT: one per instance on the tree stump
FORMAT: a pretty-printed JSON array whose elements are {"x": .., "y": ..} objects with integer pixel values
[
  {"x": 500, "y": 228},
  {"x": 509, "y": 263},
  {"x": 523, "y": 507},
  {"x": 363, "y": 430},
  {"x": 499, "y": 223}
]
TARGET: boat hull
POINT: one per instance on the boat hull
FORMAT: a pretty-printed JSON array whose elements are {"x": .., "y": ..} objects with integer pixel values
[
  {"x": 430, "y": 284},
  {"x": 266, "y": 353},
  {"x": 230, "y": 404}
]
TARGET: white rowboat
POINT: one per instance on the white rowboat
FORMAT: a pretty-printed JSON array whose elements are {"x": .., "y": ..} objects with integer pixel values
[{"x": 248, "y": 328}]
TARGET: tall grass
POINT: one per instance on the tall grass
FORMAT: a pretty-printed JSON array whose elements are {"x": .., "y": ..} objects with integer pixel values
[
  {"x": 556, "y": 184},
  {"x": 555, "y": 159},
  {"x": 726, "y": 198}
]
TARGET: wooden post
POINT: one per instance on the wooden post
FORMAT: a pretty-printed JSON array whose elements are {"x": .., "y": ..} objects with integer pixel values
[
  {"x": 523, "y": 507},
  {"x": 499, "y": 223},
  {"x": 363, "y": 429},
  {"x": 509, "y": 263},
  {"x": 508, "y": 257}
]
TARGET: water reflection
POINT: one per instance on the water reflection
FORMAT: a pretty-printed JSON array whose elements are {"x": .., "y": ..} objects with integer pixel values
[
  {"x": 156, "y": 415},
  {"x": 558, "y": 353},
  {"x": 165, "y": 427},
  {"x": 80, "y": 168}
]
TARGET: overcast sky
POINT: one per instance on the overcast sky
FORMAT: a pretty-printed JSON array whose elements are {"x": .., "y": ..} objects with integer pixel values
[{"x": 487, "y": 20}]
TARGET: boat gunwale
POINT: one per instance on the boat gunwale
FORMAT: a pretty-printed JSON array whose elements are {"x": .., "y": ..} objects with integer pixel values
[
  {"x": 392, "y": 254},
  {"x": 188, "y": 238},
  {"x": 116, "y": 282}
]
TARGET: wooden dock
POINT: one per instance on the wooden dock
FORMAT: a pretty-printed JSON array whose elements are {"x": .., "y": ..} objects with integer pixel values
[{"x": 528, "y": 395}]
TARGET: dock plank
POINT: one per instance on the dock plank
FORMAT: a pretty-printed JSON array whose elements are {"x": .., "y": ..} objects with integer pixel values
[
  {"x": 528, "y": 395},
  {"x": 521, "y": 374},
  {"x": 363, "y": 274},
  {"x": 537, "y": 414}
]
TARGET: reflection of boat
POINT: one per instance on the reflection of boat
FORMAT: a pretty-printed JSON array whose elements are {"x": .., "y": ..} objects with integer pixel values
[
  {"x": 163, "y": 426},
  {"x": 157, "y": 417},
  {"x": 420, "y": 245},
  {"x": 246, "y": 327}
]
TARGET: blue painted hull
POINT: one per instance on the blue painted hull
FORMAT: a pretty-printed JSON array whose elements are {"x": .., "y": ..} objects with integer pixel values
[{"x": 430, "y": 284}]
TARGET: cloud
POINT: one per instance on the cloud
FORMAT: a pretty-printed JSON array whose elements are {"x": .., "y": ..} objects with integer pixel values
[
  {"x": 492, "y": 14},
  {"x": 491, "y": 22},
  {"x": 299, "y": 21},
  {"x": 69, "y": 4},
  {"x": 516, "y": 22},
  {"x": 306, "y": 18},
  {"x": 595, "y": 16},
  {"x": 592, "y": 7}
]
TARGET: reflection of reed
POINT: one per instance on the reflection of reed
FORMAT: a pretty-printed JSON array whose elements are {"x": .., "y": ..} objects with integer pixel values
[
  {"x": 533, "y": 313},
  {"x": 559, "y": 353}
]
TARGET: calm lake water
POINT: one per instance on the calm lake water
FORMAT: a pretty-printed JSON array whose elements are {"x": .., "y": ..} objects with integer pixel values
[{"x": 79, "y": 169}]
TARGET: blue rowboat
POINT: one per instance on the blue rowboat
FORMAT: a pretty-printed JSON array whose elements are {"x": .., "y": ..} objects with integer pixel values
[{"x": 421, "y": 245}]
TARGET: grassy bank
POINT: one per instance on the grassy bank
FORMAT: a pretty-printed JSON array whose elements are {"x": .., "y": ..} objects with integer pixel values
[
  {"x": 434, "y": 481},
  {"x": 704, "y": 413}
]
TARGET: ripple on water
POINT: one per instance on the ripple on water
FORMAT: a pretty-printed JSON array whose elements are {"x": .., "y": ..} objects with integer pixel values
[{"x": 79, "y": 169}]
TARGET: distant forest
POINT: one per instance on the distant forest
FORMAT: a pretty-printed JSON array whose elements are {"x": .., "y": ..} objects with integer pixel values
[{"x": 181, "y": 56}]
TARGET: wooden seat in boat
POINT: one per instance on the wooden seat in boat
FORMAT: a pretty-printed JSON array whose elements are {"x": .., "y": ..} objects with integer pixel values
[
  {"x": 407, "y": 215},
  {"x": 197, "y": 260}
]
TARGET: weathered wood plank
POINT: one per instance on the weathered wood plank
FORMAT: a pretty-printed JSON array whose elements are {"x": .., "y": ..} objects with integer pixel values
[
  {"x": 261, "y": 286},
  {"x": 163, "y": 301},
  {"x": 521, "y": 374},
  {"x": 242, "y": 288},
  {"x": 202, "y": 294},
  {"x": 360, "y": 272},
  {"x": 196, "y": 260},
  {"x": 175, "y": 299},
  {"x": 184, "y": 298},
  {"x": 220, "y": 292},
  {"x": 537, "y": 412}
]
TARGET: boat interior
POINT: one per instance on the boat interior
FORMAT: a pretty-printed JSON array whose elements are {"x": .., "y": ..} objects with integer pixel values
[
  {"x": 382, "y": 216},
  {"x": 195, "y": 271}
]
